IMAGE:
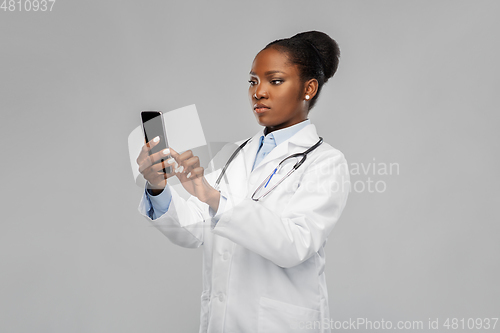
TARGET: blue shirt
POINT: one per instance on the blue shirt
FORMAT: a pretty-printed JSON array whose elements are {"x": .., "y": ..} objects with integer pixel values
[{"x": 157, "y": 205}]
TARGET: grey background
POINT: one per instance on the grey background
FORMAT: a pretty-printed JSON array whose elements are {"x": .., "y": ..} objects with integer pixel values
[{"x": 417, "y": 85}]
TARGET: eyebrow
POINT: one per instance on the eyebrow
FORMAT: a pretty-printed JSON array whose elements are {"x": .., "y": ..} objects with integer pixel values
[{"x": 268, "y": 72}]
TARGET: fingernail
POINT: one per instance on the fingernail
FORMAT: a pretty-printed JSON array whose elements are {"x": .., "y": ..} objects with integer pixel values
[
  {"x": 156, "y": 139},
  {"x": 189, "y": 175},
  {"x": 166, "y": 151},
  {"x": 170, "y": 161},
  {"x": 181, "y": 168}
]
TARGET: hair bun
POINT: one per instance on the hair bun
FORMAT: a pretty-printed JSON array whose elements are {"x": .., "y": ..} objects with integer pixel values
[{"x": 327, "y": 49}]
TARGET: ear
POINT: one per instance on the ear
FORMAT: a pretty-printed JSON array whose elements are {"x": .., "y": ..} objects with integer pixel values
[{"x": 310, "y": 88}]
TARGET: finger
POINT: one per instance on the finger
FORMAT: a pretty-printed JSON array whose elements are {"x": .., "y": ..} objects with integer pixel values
[
  {"x": 172, "y": 162},
  {"x": 181, "y": 159},
  {"x": 146, "y": 148},
  {"x": 173, "y": 158},
  {"x": 196, "y": 173},
  {"x": 159, "y": 156},
  {"x": 174, "y": 153},
  {"x": 158, "y": 167},
  {"x": 153, "y": 159},
  {"x": 191, "y": 163},
  {"x": 144, "y": 165}
]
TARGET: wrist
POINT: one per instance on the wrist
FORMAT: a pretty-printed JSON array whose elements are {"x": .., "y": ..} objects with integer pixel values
[
  {"x": 153, "y": 190},
  {"x": 213, "y": 199}
]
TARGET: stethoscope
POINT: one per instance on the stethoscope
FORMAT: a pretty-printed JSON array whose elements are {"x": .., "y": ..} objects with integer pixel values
[{"x": 277, "y": 169}]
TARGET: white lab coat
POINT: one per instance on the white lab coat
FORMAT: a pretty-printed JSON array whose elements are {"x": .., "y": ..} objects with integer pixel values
[{"x": 263, "y": 266}]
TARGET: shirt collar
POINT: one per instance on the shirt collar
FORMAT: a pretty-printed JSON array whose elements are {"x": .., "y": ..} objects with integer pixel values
[{"x": 284, "y": 134}]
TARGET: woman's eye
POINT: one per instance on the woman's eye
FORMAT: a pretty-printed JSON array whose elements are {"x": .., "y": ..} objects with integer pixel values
[
  {"x": 277, "y": 82},
  {"x": 252, "y": 82}
]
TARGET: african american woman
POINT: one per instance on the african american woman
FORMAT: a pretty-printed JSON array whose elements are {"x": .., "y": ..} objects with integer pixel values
[{"x": 264, "y": 218}]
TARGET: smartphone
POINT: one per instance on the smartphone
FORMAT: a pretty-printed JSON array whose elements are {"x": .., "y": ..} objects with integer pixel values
[{"x": 152, "y": 126}]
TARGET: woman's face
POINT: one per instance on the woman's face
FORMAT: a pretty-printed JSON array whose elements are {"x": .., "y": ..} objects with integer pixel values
[{"x": 276, "y": 92}]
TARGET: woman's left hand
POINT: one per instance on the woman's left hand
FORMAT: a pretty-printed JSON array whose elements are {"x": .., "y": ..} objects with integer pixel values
[{"x": 192, "y": 177}]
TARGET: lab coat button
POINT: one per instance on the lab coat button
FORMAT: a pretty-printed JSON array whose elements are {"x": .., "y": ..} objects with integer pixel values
[
  {"x": 221, "y": 297},
  {"x": 225, "y": 256}
]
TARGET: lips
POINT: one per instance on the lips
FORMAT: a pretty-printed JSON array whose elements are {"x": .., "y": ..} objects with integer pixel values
[{"x": 259, "y": 108}]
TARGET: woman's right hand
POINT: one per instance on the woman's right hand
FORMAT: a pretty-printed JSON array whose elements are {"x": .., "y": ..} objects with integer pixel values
[{"x": 151, "y": 169}]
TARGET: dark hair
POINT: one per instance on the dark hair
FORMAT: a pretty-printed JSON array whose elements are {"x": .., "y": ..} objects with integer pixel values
[{"x": 315, "y": 53}]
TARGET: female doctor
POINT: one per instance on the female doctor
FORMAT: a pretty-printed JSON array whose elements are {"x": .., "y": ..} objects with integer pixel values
[{"x": 263, "y": 228}]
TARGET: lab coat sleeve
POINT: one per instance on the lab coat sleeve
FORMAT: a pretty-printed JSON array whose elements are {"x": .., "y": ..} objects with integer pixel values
[
  {"x": 298, "y": 232},
  {"x": 158, "y": 204},
  {"x": 216, "y": 215},
  {"x": 184, "y": 221}
]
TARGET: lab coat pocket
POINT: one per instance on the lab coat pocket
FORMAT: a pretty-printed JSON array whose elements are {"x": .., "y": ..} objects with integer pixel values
[
  {"x": 205, "y": 310},
  {"x": 280, "y": 317}
]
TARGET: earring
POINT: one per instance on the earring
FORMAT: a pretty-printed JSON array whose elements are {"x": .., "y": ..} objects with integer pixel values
[{"x": 307, "y": 97}]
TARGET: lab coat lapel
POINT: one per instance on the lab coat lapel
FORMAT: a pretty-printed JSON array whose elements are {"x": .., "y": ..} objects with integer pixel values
[
  {"x": 250, "y": 151},
  {"x": 302, "y": 140}
]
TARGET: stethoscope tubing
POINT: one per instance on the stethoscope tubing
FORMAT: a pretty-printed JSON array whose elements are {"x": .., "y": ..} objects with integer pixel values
[
  {"x": 295, "y": 167},
  {"x": 229, "y": 162}
]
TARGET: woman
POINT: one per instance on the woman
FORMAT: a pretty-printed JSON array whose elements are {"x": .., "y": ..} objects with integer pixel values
[{"x": 263, "y": 268}]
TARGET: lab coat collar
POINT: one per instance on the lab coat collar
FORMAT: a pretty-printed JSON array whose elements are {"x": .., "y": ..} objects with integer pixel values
[
  {"x": 283, "y": 134},
  {"x": 304, "y": 138}
]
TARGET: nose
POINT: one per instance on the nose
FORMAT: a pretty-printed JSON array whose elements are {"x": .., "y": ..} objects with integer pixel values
[{"x": 260, "y": 92}]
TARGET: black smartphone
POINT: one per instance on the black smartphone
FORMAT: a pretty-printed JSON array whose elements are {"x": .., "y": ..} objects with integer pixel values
[{"x": 152, "y": 126}]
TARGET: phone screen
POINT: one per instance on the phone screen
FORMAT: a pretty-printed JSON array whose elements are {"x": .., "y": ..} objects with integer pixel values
[{"x": 152, "y": 124}]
